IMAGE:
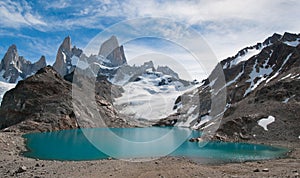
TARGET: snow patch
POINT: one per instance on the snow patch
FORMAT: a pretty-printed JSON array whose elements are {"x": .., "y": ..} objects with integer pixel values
[
  {"x": 204, "y": 120},
  {"x": 192, "y": 109},
  {"x": 277, "y": 73},
  {"x": 4, "y": 87},
  {"x": 64, "y": 57},
  {"x": 250, "y": 53},
  {"x": 235, "y": 79},
  {"x": 292, "y": 77},
  {"x": 264, "y": 122},
  {"x": 262, "y": 74},
  {"x": 74, "y": 60},
  {"x": 285, "y": 77},
  {"x": 293, "y": 43},
  {"x": 286, "y": 100},
  {"x": 187, "y": 123},
  {"x": 82, "y": 64},
  {"x": 105, "y": 67}
]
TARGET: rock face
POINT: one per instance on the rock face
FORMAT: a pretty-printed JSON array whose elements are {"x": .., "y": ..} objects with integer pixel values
[
  {"x": 260, "y": 81},
  {"x": 44, "y": 102},
  {"x": 66, "y": 57},
  {"x": 14, "y": 67},
  {"x": 111, "y": 50},
  {"x": 110, "y": 55}
]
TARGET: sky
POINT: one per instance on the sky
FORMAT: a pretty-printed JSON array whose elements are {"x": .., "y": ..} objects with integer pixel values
[{"x": 38, "y": 27}]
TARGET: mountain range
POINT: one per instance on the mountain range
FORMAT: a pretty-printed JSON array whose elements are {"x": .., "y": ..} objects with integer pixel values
[
  {"x": 253, "y": 95},
  {"x": 14, "y": 67},
  {"x": 45, "y": 102}
]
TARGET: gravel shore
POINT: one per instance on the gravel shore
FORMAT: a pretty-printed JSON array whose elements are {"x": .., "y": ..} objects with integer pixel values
[{"x": 14, "y": 165}]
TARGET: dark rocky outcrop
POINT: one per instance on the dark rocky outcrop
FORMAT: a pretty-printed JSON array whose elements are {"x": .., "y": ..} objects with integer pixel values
[
  {"x": 44, "y": 102},
  {"x": 15, "y": 67}
]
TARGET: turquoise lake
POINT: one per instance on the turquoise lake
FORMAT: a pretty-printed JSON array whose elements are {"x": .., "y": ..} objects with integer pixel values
[{"x": 128, "y": 143}]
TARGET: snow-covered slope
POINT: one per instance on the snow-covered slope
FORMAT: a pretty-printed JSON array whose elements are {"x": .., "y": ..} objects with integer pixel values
[{"x": 151, "y": 95}]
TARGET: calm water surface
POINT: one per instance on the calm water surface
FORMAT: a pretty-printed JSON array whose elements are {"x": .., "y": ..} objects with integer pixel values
[{"x": 127, "y": 143}]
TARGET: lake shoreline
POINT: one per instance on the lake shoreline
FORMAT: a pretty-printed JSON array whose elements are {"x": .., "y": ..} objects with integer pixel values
[{"x": 12, "y": 164}]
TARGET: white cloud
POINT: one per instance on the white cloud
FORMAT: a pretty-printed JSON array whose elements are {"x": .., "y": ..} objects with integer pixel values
[
  {"x": 15, "y": 15},
  {"x": 171, "y": 54},
  {"x": 226, "y": 25}
]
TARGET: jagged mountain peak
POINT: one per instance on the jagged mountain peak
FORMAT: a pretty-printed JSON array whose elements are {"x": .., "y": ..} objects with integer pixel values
[
  {"x": 65, "y": 54},
  {"x": 66, "y": 44},
  {"x": 108, "y": 46},
  {"x": 12, "y": 48},
  {"x": 67, "y": 58},
  {"x": 14, "y": 67},
  {"x": 111, "y": 50},
  {"x": 246, "y": 53},
  {"x": 272, "y": 39},
  {"x": 289, "y": 37}
]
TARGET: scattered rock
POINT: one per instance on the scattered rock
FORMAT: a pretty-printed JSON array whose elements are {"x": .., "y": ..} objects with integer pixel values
[
  {"x": 256, "y": 170},
  {"x": 21, "y": 169},
  {"x": 265, "y": 170}
]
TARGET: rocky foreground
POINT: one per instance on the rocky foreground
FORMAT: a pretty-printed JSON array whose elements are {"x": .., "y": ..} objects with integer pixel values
[{"x": 14, "y": 165}]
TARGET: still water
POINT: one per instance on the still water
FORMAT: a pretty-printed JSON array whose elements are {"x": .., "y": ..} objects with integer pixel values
[{"x": 129, "y": 143}]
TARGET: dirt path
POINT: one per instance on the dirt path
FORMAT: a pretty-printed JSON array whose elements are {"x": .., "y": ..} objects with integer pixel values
[{"x": 12, "y": 165}]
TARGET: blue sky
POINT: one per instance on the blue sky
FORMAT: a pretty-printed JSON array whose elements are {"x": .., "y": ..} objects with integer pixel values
[{"x": 38, "y": 27}]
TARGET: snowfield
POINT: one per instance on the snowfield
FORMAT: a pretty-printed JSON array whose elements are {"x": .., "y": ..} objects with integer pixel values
[{"x": 148, "y": 98}]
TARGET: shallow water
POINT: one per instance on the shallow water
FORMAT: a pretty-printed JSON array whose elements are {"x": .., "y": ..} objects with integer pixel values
[{"x": 128, "y": 143}]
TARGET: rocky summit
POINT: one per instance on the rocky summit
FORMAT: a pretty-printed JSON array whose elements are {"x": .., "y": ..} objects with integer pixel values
[
  {"x": 66, "y": 57},
  {"x": 256, "y": 96},
  {"x": 14, "y": 67},
  {"x": 111, "y": 50},
  {"x": 43, "y": 102}
]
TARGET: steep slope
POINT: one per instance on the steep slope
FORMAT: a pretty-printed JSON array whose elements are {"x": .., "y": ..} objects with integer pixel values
[
  {"x": 111, "y": 50},
  {"x": 66, "y": 57},
  {"x": 110, "y": 57},
  {"x": 262, "y": 94},
  {"x": 14, "y": 67},
  {"x": 44, "y": 102}
]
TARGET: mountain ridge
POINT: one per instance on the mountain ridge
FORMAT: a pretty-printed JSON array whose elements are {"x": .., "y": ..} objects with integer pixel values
[
  {"x": 263, "y": 85},
  {"x": 14, "y": 67}
]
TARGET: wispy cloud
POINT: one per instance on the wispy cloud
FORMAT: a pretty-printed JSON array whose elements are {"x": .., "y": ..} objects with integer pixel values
[
  {"x": 226, "y": 25},
  {"x": 18, "y": 14}
]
